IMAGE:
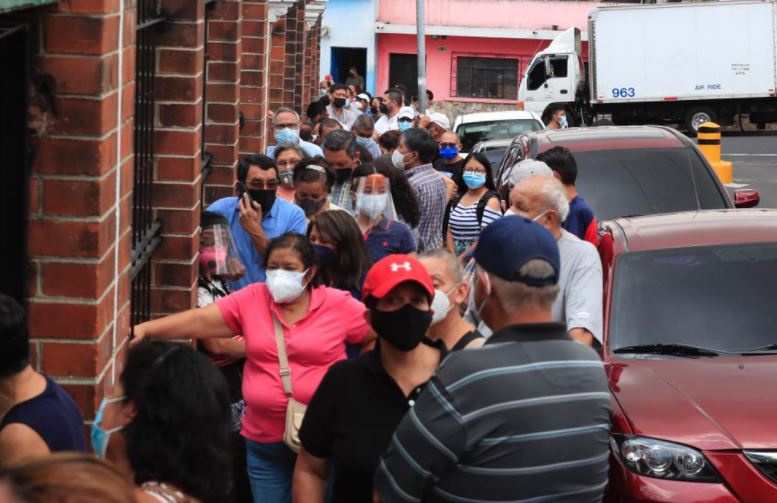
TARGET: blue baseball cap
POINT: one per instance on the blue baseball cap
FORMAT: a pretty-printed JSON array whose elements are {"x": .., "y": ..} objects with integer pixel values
[{"x": 509, "y": 243}]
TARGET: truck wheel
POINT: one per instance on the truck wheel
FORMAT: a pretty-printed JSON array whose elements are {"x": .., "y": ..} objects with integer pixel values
[{"x": 696, "y": 117}]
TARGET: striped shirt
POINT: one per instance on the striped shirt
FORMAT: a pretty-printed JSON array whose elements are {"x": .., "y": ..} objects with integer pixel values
[
  {"x": 464, "y": 225},
  {"x": 432, "y": 197},
  {"x": 526, "y": 418}
]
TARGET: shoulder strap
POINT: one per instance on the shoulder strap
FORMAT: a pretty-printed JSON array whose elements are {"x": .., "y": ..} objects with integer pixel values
[
  {"x": 483, "y": 203},
  {"x": 447, "y": 217},
  {"x": 283, "y": 359},
  {"x": 466, "y": 339}
]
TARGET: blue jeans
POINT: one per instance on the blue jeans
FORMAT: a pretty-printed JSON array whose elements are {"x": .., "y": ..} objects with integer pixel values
[{"x": 270, "y": 469}]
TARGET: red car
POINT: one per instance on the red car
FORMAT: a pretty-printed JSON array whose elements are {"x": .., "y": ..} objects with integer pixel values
[{"x": 690, "y": 349}]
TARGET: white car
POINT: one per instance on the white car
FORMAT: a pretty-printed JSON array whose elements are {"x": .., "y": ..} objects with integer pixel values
[{"x": 484, "y": 126}]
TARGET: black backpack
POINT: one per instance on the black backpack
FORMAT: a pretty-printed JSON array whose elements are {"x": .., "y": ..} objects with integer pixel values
[{"x": 482, "y": 203}]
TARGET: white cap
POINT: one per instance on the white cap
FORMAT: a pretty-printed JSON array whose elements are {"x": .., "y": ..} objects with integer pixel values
[
  {"x": 363, "y": 96},
  {"x": 441, "y": 120},
  {"x": 406, "y": 113},
  {"x": 527, "y": 168}
]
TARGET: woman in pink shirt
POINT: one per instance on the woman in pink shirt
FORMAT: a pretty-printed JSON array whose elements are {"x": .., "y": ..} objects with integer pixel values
[{"x": 317, "y": 323}]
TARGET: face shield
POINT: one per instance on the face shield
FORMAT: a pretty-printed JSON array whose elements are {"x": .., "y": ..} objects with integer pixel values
[
  {"x": 218, "y": 255},
  {"x": 373, "y": 196}
]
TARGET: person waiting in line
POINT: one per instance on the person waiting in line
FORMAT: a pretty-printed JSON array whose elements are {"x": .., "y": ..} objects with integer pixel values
[
  {"x": 436, "y": 123},
  {"x": 314, "y": 112},
  {"x": 406, "y": 118},
  {"x": 338, "y": 109},
  {"x": 388, "y": 142},
  {"x": 467, "y": 214},
  {"x": 324, "y": 127},
  {"x": 450, "y": 162},
  {"x": 342, "y": 155},
  {"x": 66, "y": 477},
  {"x": 165, "y": 424},
  {"x": 363, "y": 100},
  {"x": 313, "y": 179},
  {"x": 392, "y": 100},
  {"x": 450, "y": 294},
  {"x": 372, "y": 200},
  {"x": 414, "y": 155},
  {"x": 377, "y": 108},
  {"x": 316, "y": 323},
  {"x": 581, "y": 221},
  {"x": 286, "y": 157},
  {"x": 480, "y": 434},
  {"x": 354, "y": 79},
  {"x": 306, "y": 131},
  {"x": 359, "y": 403},
  {"x": 341, "y": 253},
  {"x": 364, "y": 129},
  {"x": 216, "y": 249},
  {"x": 555, "y": 117},
  {"x": 256, "y": 215},
  {"x": 518, "y": 173},
  {"x": 286, "y": 125},
  {"x": 37, "y": 416},
  {"x": 579, "y": 304},
  {"x": 404, "y": 203}
]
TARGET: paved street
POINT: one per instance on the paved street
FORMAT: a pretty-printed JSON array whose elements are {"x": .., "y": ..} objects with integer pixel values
[{"x": 755, "y": 163}]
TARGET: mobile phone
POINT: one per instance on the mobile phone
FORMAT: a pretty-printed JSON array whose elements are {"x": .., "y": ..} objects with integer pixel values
[{"x": 241, "y": 189}]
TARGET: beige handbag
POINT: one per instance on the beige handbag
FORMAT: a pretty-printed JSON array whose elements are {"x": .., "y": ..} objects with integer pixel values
[{"x": 295, "y": 411}]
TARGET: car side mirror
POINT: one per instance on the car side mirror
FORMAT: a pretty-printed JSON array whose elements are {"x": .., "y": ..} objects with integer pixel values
[{"x": 746, "y": 198}]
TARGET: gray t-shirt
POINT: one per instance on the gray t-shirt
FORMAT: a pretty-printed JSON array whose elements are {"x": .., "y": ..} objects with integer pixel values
[{"x": 579, "y": 302}]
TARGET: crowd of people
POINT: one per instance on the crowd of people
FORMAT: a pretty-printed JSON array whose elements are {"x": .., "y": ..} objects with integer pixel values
[{"x": 373, "y": 323}]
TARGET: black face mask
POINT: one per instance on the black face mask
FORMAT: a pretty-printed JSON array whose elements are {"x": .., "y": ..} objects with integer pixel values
[
  {"x": 404, "y": 328},
  {"x": 265, "y": 199},
  {"x": 342, "y": 175},
  {"x": 384, "y": 109},
  {"x": 339, "y": 102},
  {"x": 374, "y": 110}
]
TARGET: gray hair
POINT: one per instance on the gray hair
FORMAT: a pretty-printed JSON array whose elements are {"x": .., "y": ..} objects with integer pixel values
[
  {"x": 515, "y": 296},
  {"x": 283, "y": 148},
  {"x": 454, "y": 268},
  {"x": 364, "y": 121},
  {"x": 285, "y": 110},
  {"x": 340, "y": 140},
  {"x": 552, "y": 194}
]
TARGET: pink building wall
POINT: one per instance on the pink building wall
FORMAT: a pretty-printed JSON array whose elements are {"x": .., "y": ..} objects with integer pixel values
[
  {"x": 440, "y": 53},
  {"x": 490, "y": 13}
]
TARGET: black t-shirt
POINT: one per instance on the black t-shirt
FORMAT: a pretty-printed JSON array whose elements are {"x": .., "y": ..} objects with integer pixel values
[
  {"x": 351, "y": 418},
  {"x": 456, "y": 170}
]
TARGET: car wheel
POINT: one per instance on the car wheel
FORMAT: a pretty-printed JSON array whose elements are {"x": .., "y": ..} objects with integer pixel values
[{"x": 696, "y": 117}]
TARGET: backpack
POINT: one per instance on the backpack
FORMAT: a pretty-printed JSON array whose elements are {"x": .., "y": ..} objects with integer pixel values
[{"x": 481, "y": 208}]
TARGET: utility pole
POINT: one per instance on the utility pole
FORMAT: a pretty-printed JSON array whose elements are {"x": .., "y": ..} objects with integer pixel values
[{"x": 421, "y": 29}]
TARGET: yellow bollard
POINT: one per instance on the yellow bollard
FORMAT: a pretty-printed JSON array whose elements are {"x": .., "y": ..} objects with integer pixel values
[{"x": 709, "y": 144}]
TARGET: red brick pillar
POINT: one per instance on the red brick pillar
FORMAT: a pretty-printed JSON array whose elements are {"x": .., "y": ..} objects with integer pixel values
[
  {"x": 254, "y": 75},
  {"x": 79, "y": 246},
  {"x": 315, "y": 48},
  {"x": 277, "y": 63},
  {"x": 222, "y": 107},
  {"x": 299, "y": 57},
  {"x": 178, "y": 142}
]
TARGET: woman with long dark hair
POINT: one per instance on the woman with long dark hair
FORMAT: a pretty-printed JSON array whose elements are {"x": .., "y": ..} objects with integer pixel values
[{"x": 403, "y": 196}]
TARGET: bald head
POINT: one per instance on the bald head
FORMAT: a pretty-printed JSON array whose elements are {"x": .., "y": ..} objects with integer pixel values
[
  {"x": 543, "y": 198},
  {"x": 449, "y": 137}
]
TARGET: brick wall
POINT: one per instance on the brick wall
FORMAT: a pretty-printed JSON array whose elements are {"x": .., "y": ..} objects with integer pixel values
[{"x": 254, "y": 74}]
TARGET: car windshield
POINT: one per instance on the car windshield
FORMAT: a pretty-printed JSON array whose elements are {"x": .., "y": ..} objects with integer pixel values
[
  {"x": 474, "y": 132},
  {"x": 630, "y": 182},
  {"x": 713, "y": 297}
]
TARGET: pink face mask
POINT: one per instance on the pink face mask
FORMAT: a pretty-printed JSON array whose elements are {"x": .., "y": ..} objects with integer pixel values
[{"x": 214, "y": 259}]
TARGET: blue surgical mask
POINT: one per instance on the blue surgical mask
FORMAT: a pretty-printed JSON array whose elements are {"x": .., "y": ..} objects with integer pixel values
[
  {"x": 449, "y": 153},
  {"x": 286, "y": 136},
  {"x": 474, "y": 180},
  {"x": 562, "y": 121},
  {"x": 404, "y": 125},
  {"x": 100, "y": 437},
  {"x": 363, "y": 141},
  {"x": 371, "y": 205}
]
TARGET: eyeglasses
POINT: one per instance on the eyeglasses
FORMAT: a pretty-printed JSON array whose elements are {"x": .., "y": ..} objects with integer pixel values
[
  {"x": 404, "y": 120},
  {"x": 479, "y": 171},
  {"x": 259, "y": 185},
  {"x": 447, "y": 145},
  {"x": 291, "y": 125}
]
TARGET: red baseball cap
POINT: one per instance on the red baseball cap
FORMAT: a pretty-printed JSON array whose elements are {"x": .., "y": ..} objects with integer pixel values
[{"x": 392, "y": 270}]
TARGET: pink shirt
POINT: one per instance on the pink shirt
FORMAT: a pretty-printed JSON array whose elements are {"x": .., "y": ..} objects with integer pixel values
[{"x": 313, "y": 344}]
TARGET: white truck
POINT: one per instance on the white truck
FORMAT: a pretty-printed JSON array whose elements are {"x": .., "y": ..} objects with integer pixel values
[{"x": 685, "y": 63}]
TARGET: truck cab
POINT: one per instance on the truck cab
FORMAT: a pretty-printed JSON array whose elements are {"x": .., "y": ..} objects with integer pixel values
[{"x": 555, "y": 76}]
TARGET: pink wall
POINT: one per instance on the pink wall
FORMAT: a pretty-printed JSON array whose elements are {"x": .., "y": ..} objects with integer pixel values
[
  {"x": 440, "y": 52},
  {"x": 490, "y": 13}
]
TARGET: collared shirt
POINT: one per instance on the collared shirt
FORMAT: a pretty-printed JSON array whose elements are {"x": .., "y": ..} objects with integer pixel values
[
  {"x": 524, "y": 418},
  {"x": 283, "y": 217},
  {"x": 311, "y": 149},
  {"x": 387, "y": 238},
  {"x": 580, "y": 298},
  {"x": 345, "y": 117},
  {"x": 313, "y": 344},
  {"x": 340, "y": 195},
  {"x": 351, "y": 418},
  {"x": 432, "y": 197},
  {"x": 386, "y": 123}
]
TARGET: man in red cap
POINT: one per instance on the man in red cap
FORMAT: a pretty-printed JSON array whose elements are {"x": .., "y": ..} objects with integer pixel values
[{"x": 349, "y": 422}]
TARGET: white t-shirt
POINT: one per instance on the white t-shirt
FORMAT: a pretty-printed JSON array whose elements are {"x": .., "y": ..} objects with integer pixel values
[
  {"x": 386, "y": 123},
  {"x": 579, "y": 302}
]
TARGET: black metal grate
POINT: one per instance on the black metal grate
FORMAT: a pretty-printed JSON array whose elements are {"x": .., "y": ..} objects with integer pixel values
[
  {"x": 145, "y": 230},
  {"x": 494, "y": 78}
]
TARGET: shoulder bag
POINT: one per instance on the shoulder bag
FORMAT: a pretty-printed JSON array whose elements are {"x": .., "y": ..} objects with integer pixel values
[{"x": 295, "y": 411}]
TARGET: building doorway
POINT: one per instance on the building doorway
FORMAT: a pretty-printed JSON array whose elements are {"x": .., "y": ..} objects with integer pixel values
[
  {"x": 14, "y": 143},
  {"x": 343, "y": 58},
  {"x": 403, "y": 69}
]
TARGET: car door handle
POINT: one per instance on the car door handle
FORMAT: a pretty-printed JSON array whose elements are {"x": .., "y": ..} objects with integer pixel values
[{"x": 563, "y": 91}]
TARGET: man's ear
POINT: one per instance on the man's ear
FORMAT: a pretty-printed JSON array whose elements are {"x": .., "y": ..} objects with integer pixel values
[
  {"x": 461, "y": 295},
  {"x": 557, "y": 175},
  {"x": 357, "y": 155}
]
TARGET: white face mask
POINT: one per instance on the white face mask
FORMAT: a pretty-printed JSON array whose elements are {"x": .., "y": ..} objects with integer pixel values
[
  {"x": 285, "y": 286},
  {"x": 398, "y": 159},
  {"x": 371, "y": 205},
  {"x": 539, "y": 216},
  {"x": 509, "y": 212},
  {"x": 441, "y": 305}
]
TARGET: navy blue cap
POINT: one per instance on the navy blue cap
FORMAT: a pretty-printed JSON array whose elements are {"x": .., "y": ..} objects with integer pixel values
[{"x": 507, "y": 244}]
